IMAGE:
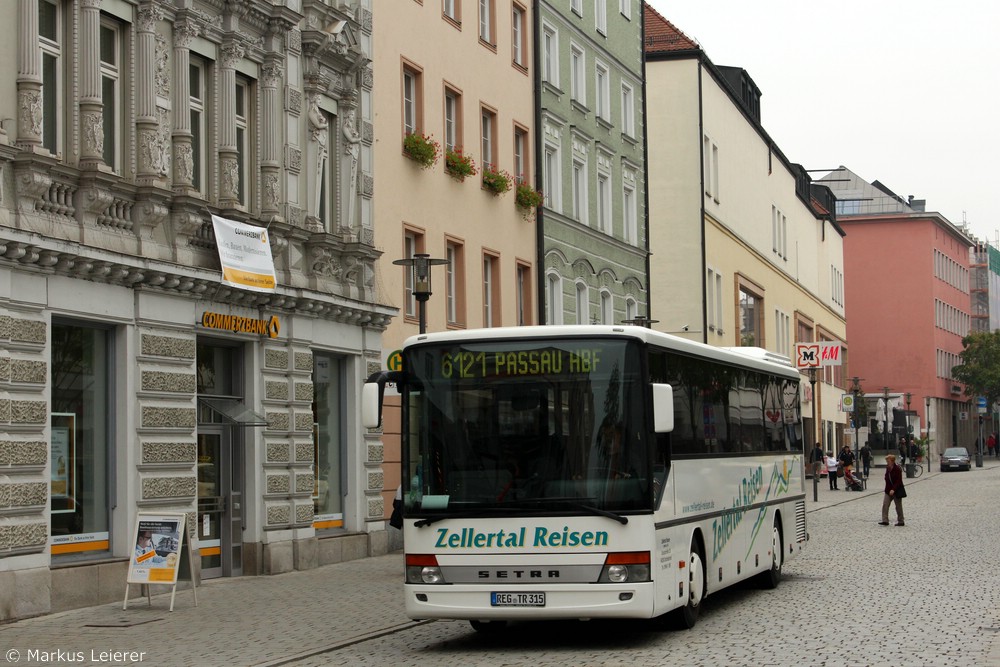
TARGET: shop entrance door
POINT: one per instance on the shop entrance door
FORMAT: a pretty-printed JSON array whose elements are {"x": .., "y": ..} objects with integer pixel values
[{"x": 220, "y": 502}]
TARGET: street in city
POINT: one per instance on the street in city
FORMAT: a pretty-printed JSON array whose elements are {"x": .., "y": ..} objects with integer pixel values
[{"x": 862, "y": 594}]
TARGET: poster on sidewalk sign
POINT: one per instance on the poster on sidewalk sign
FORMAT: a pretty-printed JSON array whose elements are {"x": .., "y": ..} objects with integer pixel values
[
  {"x": 156, "y": 553},
  {"x": 245, "y": 255}
]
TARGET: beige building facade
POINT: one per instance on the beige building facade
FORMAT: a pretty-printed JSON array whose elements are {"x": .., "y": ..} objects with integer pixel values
[
  {"x": 745, "y": 249},
  {"x": 460, "y": 74}
]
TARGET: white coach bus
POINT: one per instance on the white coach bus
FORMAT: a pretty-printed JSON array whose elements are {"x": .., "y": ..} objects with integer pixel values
[{"x": 576, "y": 472}]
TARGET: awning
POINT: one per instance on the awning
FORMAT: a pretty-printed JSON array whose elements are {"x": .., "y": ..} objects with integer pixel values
[{"x": 233, "y": 412}]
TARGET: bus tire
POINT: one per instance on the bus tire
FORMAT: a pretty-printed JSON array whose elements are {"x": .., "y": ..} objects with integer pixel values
[
  {"x": 772, "y": 577},
  {"x": 686, "y": 617},
  {"x": 488, "y": 627}
]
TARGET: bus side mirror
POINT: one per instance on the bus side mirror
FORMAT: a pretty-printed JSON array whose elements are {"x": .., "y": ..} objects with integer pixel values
[
  {"x": 371, "y": 405},
  {"x": 663, "y": 408},
  {"x": 372, "y": 394}
]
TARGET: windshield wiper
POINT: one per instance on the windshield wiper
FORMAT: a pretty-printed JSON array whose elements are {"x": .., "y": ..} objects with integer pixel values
[
  {"x": 420, "y": 523},
  {"x": 593, "y": 510}
]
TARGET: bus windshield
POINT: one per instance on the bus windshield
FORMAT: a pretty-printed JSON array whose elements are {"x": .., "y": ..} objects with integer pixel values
[{"x": 518, "y": 426}]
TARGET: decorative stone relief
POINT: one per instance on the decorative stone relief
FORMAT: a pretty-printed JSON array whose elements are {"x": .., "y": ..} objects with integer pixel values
[
  {"x": 368, "y": 77},
  {"x": 271, "y": 190},
  {"x": 277, "y": 391},
  {"x": 277, "y": 515},
  {"x": 275, "y": 358},
  {"x": 277, "y": 452},
  {"x": 169, "y": 452},
  {"x": 277, "y": 421},
  {"x": 303, "y": 421},
  {"x": 375, "y": 480},
  {"x": 4, "y": 411},
  {"x": 28, "y": 331},
  {"x": 375, "y": 452},
  {"x": 293, "y": 100},
  {"x": 376, "y": 508},
  {"x": 304, "y": 513},
  {"x": 23, "y": 452},
  {"x": 23, "y": 535},
  {"x": 305, "y": 483},
  {"x": 30, "y": 116},
  {"x": 24, "y": 495},
  {"x": 169, "y": 487},
  {"x": 28, "y": 412},
  {"x": 295, "y": 40},
  {"x": 168, "y": 346},
  {"x": 155, "y": 417},
  {"x": 278, "y": 484},
  {"x": 367, "y": 185},
  {"x": 230, "y": 168},
  {"x": 93, "y": 132},
  {"x": 304, "y": 451},
  {"x": 24, "y": 370},
  {"x": 6, "y": 326},
  {"x": 184, "y": 162},
  {"x": 162, "y": 73},
  {"x": 4, "y": 369},
  {"x": 161, "y": 381},
  {"x": 293, "y": 159},
  {"x": 303, "y": 361},
  {"x": 304, "y": 391}
]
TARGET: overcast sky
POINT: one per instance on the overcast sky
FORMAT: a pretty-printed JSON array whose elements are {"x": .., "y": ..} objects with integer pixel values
[{"x": 901, "y": 91}]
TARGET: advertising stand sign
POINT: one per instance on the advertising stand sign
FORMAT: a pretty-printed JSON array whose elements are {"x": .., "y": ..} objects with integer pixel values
[{"x": 157, "y": 546}]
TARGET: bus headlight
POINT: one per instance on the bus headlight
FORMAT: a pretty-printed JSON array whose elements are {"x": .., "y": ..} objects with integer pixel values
[
  {"x": 631, "y": 567},
  {"x": 423, "y": 569}
]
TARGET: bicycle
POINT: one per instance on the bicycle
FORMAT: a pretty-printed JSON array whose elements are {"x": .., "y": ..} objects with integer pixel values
[{"x": 916, "y": 468}]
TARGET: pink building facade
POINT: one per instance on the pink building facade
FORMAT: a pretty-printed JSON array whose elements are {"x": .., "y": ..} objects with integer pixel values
[{"x": 907, "y": 283}]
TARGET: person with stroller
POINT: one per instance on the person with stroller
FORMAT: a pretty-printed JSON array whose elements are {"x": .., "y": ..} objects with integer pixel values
[
  {"x": 831, "y": 470},
  {"x": 852, "y": 482},
  {"x": 846, "y": 457}
]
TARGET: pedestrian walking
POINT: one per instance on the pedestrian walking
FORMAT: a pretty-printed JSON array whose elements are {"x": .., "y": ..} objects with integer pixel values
[
  {"x": 818, "y": 459},
  {"x": 831, "y": 470},
  {"x": 866, "y": 458},
  {"x": 991, "y": 444},
  {"x": 894, "y": 491},
  {"x": 846, "y": 457}
]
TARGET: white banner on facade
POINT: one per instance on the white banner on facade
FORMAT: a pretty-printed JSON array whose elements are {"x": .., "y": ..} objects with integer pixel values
[{"x": 245, "y": 254}]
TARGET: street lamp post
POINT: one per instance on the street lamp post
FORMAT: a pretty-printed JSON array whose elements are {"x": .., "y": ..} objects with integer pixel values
[
  {"x": 812, "y": 389},
  {"x": 856, "y": 417},
  {"x": 420, "y": 279},
  {"x": 927, "y": 417},
  {"x": 910, "y": 464}
]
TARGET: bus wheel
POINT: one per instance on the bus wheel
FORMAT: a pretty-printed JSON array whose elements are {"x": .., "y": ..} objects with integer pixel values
[
  {"x": 488, "y": 627},
  {"x": 686, "y": 617},
  {"x": 772, "y": 577}
]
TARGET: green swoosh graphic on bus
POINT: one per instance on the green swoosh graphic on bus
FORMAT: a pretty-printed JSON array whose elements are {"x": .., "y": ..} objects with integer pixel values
[{"x": 777, "y": 485}]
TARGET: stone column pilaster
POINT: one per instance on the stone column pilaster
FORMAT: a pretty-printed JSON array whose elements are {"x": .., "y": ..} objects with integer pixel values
[
  {"x": 231, "y": 53},
  {"x": 29, "y": 77},
  {"x": 150, "y": 147},
  {"x": 91, "y": 107},
  {"x": 271, "y": 128},
  {"x": 184, "y": 34}
]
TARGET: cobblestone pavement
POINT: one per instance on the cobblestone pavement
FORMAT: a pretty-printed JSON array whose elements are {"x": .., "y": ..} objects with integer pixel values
[{"x": 927, "y": 594}]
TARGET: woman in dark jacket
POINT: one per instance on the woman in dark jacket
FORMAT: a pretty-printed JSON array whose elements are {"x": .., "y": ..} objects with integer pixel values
[{"x": 893, "y": 491}]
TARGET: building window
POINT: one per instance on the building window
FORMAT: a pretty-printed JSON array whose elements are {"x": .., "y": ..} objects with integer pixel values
[
  {"x": 580, "y": 203},
  {"x": 553, "y": 299},
  {"x": 518, "y": 28},
  {"x": 198, "y": 77},
  {"x": 455, "y": 283},
  {"x": 412, "y": 100},
  {"x": 50, "y": 40},
  {"x": 551, "y": 178},
  {"x": 81, "y": 421},
  {"x": 550, "y": 55},
  {"x": 452, "y": 9},
  {"x": 711, "y": 173},
  {"x": 837, "y": 285},
  {"x": 602, "y": 84},
  {"x": 751, "y": 306},
  {"x": 577, "y": 7},
  {"x": 491, "y": 290},
  {"x": 489, "y": 122},
  {"x": 413, "y": 242},
  {"x": 577, "y": 75},
  {"x": 244, "y": 136},
  {"x": 628, "y": 110},
  {"x": 521, "y": 155},
  {"x": 779, "y": 233},
  {"x": 604, "y": 203},
  {"x": 329, "y": 431},
  {"x": 582, "y": 303},
  {"x": 625, "y": 7},
  {"x": 782, "y": 331},
  {"x": 803, "y": 331},
  {"x": 325, "y": 178},
  {"x": 452, "y": 119},
  {"x": 713, "y": 295},
  {"x": 486, "y": 22},
  {"x": 607, "y": 308},
  {"x": 630, "y": 216},
  {"x": 631, "y": 309},
  {"x": 601, "y": 16},
  {"x": 111, "y": 85},
  {"x": 524, "y": 292}
]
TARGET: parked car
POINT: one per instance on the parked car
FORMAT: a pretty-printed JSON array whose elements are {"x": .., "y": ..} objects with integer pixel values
[{"x": 956, "y": 457}]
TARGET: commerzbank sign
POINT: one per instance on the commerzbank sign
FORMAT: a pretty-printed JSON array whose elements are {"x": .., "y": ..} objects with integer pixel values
[{"x": 270, "y": 327}]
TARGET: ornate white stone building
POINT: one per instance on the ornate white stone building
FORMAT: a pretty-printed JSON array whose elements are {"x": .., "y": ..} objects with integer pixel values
[{"x": 126, "y": 124}]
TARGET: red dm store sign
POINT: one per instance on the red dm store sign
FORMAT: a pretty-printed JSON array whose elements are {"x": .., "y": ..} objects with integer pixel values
[{"x": 815, "y": 355}]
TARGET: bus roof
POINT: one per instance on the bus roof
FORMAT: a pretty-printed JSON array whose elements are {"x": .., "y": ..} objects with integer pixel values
[{"x": 748, "y": 357}]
